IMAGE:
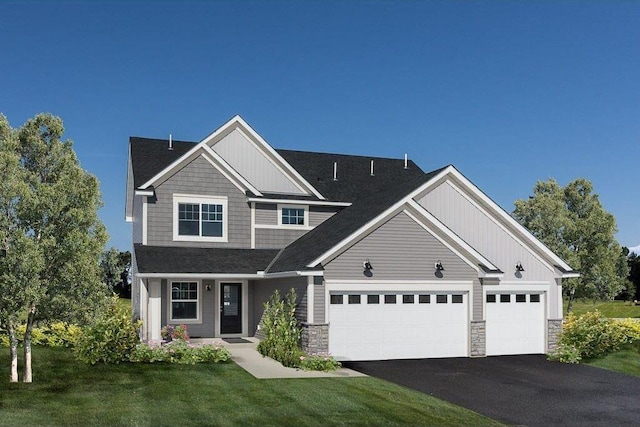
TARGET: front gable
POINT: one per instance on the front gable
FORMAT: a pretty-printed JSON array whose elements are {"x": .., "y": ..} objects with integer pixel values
[
  {"x": 400, "y": 249},
  {"x": 464, "y": 209}
]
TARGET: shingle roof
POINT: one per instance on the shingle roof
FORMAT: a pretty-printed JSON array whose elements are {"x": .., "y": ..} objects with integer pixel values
[
  {"x": 353, "y": 172},
  {"x": 150, "y": 156},
  {"x": 370, "y": 195},
  {"x": 340, "y": 226},
  {"x": 165, "y": 259}
]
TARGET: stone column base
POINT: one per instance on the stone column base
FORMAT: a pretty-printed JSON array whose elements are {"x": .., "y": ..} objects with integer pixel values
[
  {"x": 315, "y": 338},
  {"x": 554, "y": 328},
  {"x": 478, "y": 338}
]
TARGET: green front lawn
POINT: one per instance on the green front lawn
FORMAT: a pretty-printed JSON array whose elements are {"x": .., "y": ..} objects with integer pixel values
[
  {"x": 626, "y": 360},
  {"x": 620, "y": 309},
  {"x": 67, "y": 392}
]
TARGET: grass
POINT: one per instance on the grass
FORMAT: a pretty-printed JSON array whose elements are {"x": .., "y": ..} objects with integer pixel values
[
  {"x": 626, "y": 360},
  {"x": 67, "y": 392},
  {"x": 620, "y": 309}
]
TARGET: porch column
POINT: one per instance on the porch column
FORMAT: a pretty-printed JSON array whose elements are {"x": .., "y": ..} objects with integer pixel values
[
  {"x": 141, "y": 310},
  {"x": 310, "y": 298},
  {"x": 155, "y": 310}
]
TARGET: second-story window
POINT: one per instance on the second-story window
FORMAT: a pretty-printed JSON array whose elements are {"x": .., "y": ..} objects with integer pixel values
[
  {"x": 297, "y": 216},
  {"x": 200, "y": 218},
  {"x": 292, "y": 216}
]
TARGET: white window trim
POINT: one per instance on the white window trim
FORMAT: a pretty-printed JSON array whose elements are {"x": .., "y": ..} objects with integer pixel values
[
  {"x": 198, "y": 319},
  {"x": 294, "y": 226},
  {"x": 199, "y": 199}
]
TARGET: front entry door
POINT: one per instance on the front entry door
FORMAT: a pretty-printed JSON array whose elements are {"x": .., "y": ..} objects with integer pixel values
[{"x": 231, "y": 308}]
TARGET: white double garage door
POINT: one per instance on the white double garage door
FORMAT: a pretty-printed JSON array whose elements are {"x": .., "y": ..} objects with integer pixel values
[{"x": 406, "y": 325}]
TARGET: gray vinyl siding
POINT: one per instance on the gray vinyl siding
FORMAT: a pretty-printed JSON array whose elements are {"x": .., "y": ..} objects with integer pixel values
[
  {"x": 483, "y": 234},
  {"x": 253, "y": 165},
  {"x": 137, "y": 219},
  {"x": 276, "y": 238},
  {"x": 205, "y": 329},
  {"x": 319, "y": 214},
  {"x": 199, "y": 178},
  {"x": 478, "y": 302},
  {"x": 400, "y": 249},
  {"x": 319, "y": 301},
  {"x": 263, "y": 289},
  {"x": 267, "y": 214}
]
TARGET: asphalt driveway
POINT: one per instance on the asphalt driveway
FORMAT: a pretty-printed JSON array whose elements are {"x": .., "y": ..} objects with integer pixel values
[{"x": 522, "y": 390}]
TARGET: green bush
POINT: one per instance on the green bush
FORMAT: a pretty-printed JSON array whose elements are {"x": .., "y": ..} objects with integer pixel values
[
  {"x": 58, "y": 334},
  {"x": 592, "y": 335},
  {"x": 110, "y": 338},
  {"x": 319, "y": 362},
  {"x": 179, "y": 351},
  {"x": 281, "y": 330}
]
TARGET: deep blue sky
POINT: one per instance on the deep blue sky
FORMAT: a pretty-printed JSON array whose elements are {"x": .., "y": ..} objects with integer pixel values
[{"x": 508, "y": 92}]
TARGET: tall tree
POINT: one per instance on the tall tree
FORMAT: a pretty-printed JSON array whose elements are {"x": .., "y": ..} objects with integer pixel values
[
  {"x": 53, "y": 237},
  {"x": 115, "y": 267},
  {"x": 572, "y": 222},
  {"x": 633, "y": 261}
]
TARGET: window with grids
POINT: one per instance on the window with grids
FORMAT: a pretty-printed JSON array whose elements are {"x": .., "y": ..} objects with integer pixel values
[
  {"x": 184, "y": 301},
  {"x": 293, "y": 216},
  {"x": 200, "y": 218}
]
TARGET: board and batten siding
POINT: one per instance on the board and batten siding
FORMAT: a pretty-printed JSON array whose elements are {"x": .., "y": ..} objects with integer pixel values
[
  {"x": 399, "y": 249},
  {"x": 264, "y": 289},
  {"x": 199, "y": 178},
  {"x": 483, "y": 234},
  {"x": 253, "y": 165}
]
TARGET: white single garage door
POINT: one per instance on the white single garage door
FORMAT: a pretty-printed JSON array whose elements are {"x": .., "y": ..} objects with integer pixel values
[
  {"x": 515, "y": 323},
  {"x": 394, "y": 325}
]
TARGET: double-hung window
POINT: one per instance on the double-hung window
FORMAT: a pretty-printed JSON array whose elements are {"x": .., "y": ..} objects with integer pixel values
[
  {"x": 185, "y": 301},
  {"x": 200, "y": 218}
]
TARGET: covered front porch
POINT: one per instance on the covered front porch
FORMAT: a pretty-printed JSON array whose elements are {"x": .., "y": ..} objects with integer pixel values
[{"x": 209, "y": 307}]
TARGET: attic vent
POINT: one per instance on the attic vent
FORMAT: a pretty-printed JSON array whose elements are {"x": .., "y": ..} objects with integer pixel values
[{"x": 170, "y": 142}]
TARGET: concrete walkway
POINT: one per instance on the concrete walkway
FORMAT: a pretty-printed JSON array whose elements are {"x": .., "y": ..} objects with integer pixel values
[{"x": 247, "y": 357}]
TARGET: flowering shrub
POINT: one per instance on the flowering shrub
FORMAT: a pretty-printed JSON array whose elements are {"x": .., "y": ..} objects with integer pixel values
[
  {"x": 592, "y": 335},
  {"x": 58, "y": 334},
  {"x": 179, "y": 351},
  {"x": 175, "y": 332},
  {"x": 319, "y": 362},
  {"x": 281, "y": 330}
]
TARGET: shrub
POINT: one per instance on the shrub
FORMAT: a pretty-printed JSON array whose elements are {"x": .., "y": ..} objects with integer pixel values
[
  {"x": 171, "y": 332},
  {"x": 319, "y": 362},
  {"x": 110, "y": 338},
  {"x": 591, "y": 335},
  {"x": 58, "y": 334},
  {"x": 281, "y": 330},
  {"x": 179, "y": 351}
]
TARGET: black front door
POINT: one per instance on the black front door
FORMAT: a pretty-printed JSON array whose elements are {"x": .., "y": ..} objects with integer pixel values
[{"x": 231, "y": 308}]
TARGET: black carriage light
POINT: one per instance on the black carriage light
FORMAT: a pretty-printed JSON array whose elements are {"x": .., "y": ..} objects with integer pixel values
[
  {"x": 439, "y": 266},
  {"x": 367, "y": 265},
  {"x": 519, "y": 266}
]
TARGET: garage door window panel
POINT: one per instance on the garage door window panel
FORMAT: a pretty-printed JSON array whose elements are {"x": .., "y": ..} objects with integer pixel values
[
  {"x": 354, "y": 299},
  {"x": 408, "y": 299},
  {"x": 373, "y": 299},
  {"x": 505, "y": 297},
  {"x": 337, "y": 299},
  {"x": 389, "y": 299},
  {"x": 441, "y": 299}
]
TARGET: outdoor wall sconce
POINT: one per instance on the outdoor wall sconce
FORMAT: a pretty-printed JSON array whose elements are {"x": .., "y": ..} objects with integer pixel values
[
  {"x": 439, "y": 266},
  {"x": 208, "y": 287},
  {"x": 519, "y": 266},
  {"x": 367, "y": 265}
]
